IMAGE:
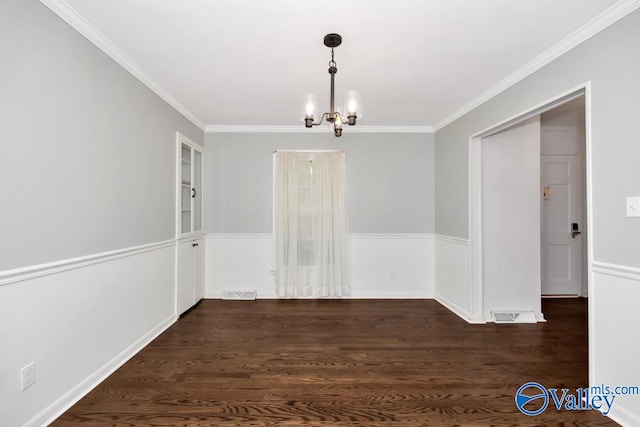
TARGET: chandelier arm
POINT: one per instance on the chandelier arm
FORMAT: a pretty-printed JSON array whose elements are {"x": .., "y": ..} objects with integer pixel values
[{"x": 319, "y": 122}]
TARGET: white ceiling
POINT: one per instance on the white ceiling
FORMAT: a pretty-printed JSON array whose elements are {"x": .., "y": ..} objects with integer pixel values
[{"x": 250, "y": 62}]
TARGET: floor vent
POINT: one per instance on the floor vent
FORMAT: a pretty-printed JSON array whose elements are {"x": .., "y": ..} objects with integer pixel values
[
  {"x": 239, "y": 294},
  {"x": 513, "y": 317}
]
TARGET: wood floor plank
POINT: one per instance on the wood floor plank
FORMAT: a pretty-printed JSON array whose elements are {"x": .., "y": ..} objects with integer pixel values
[{"x": 343, "y": 363}]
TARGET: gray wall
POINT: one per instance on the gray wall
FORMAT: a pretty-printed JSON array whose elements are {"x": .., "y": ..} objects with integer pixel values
[
  {"x": 611, "y": 62},
  {"x": 391, "y": 179},
  {"x": 87, "y": 156}
]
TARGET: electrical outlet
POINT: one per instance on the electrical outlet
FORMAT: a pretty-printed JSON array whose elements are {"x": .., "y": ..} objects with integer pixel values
[
  {"x": 633, "y": 207},
  {"x": 28, "y": 375}
]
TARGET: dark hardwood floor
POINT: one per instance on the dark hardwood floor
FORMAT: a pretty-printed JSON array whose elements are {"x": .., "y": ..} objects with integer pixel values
[{"x": 343, "y": 363}]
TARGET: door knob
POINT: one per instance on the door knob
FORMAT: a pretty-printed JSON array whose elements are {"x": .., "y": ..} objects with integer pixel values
[{"x": 575, "y": 230}]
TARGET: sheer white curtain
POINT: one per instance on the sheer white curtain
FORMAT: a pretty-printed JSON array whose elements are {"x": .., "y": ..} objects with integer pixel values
[{"x": 311, "y": 227}]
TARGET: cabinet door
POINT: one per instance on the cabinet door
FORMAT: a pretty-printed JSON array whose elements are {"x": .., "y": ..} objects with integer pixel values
[
  {"x": 199, "y": 269},
  {"x": 186, "y": 193},
  {"x": 186, "y": 289}
]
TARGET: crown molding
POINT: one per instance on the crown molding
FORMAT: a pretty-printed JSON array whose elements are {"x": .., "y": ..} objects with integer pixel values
[
  {"x": 588, "y": 30},
  {"x": 91, "y": 33},
  {"x": 317, "y": 129}
]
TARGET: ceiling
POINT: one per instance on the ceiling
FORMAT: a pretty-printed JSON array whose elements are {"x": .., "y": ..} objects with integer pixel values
[{"x": 250, "y": 62}]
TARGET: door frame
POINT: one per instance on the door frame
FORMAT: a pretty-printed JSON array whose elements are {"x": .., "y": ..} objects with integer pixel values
[{"x": 477, "y": 312}]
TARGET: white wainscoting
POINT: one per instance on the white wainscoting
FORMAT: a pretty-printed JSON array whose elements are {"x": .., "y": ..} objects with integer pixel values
[
  {"x": 614, "y": 349},
  {"x": 384, "y": 265},
  {"x": 393, "y": 266},
  {"x": 78, "y": 320},
  {"x": 452, "y": 275}
]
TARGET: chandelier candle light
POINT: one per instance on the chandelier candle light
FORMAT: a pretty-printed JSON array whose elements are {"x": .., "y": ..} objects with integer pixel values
[{"x": 352, "y": 101}]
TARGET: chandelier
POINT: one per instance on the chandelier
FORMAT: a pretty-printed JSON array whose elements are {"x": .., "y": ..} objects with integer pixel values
[{"x": 352, "y": 109}]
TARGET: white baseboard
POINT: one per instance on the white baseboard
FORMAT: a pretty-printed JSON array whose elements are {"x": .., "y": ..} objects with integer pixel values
[
  {"x": 67, "y": 400},
  {"x": 453, "y": 307},
  {"x": 359, "y": 295},
  {"x": 623, "y": 416}
]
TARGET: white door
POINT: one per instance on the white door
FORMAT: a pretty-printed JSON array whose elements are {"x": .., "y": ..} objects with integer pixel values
[
  {"x": 198, "y": 271},
  {"x": 511, "y": 218},
  {"x": 561, "y": 219},
  {"x": 186, "y": 288}
]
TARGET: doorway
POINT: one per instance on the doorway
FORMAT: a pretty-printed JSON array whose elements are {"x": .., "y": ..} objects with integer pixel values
[
  {"x": 563, "y": 200},
  {"x": 488, "y": 292}
]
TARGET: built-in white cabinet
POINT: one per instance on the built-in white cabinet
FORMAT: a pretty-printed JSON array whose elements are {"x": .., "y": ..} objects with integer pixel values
[
  {"x": 190, "y": 273},
  {"x": 189, "y": 224},
  {"x": 189, "y": 187}
]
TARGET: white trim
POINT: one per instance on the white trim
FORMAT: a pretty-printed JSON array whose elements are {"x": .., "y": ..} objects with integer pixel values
[
  {"x": 273, "y": 214},
  {"x": 412, "y": 236},
  {"x": 191, "y": 236},
  {"x": 67, "y": 400},
  {"x": 317, "y": 129},
  {"x": 307, "y": 151},
  {"x": 354, "y": 295},
  {"x": 623, "y": 416},
  {"x": 400, "y": 236},
  {"x": 91, "y": 33},
  {"x": 388, "y": 295},
  {"x": 539, "y": 108},
  {"x": 476, "y": 287},
  {"x": 588, "y": 30},
  {"x": 224, "y": 236},
  {"x": 26, "y": 273},
  {"x": 617, "y": 270},
  {"x": 589, "y": 216},
  {"x": 455, "y": 308},
  {"x": 180, "y": 138},
  {"x": 451, "y": 239}
]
